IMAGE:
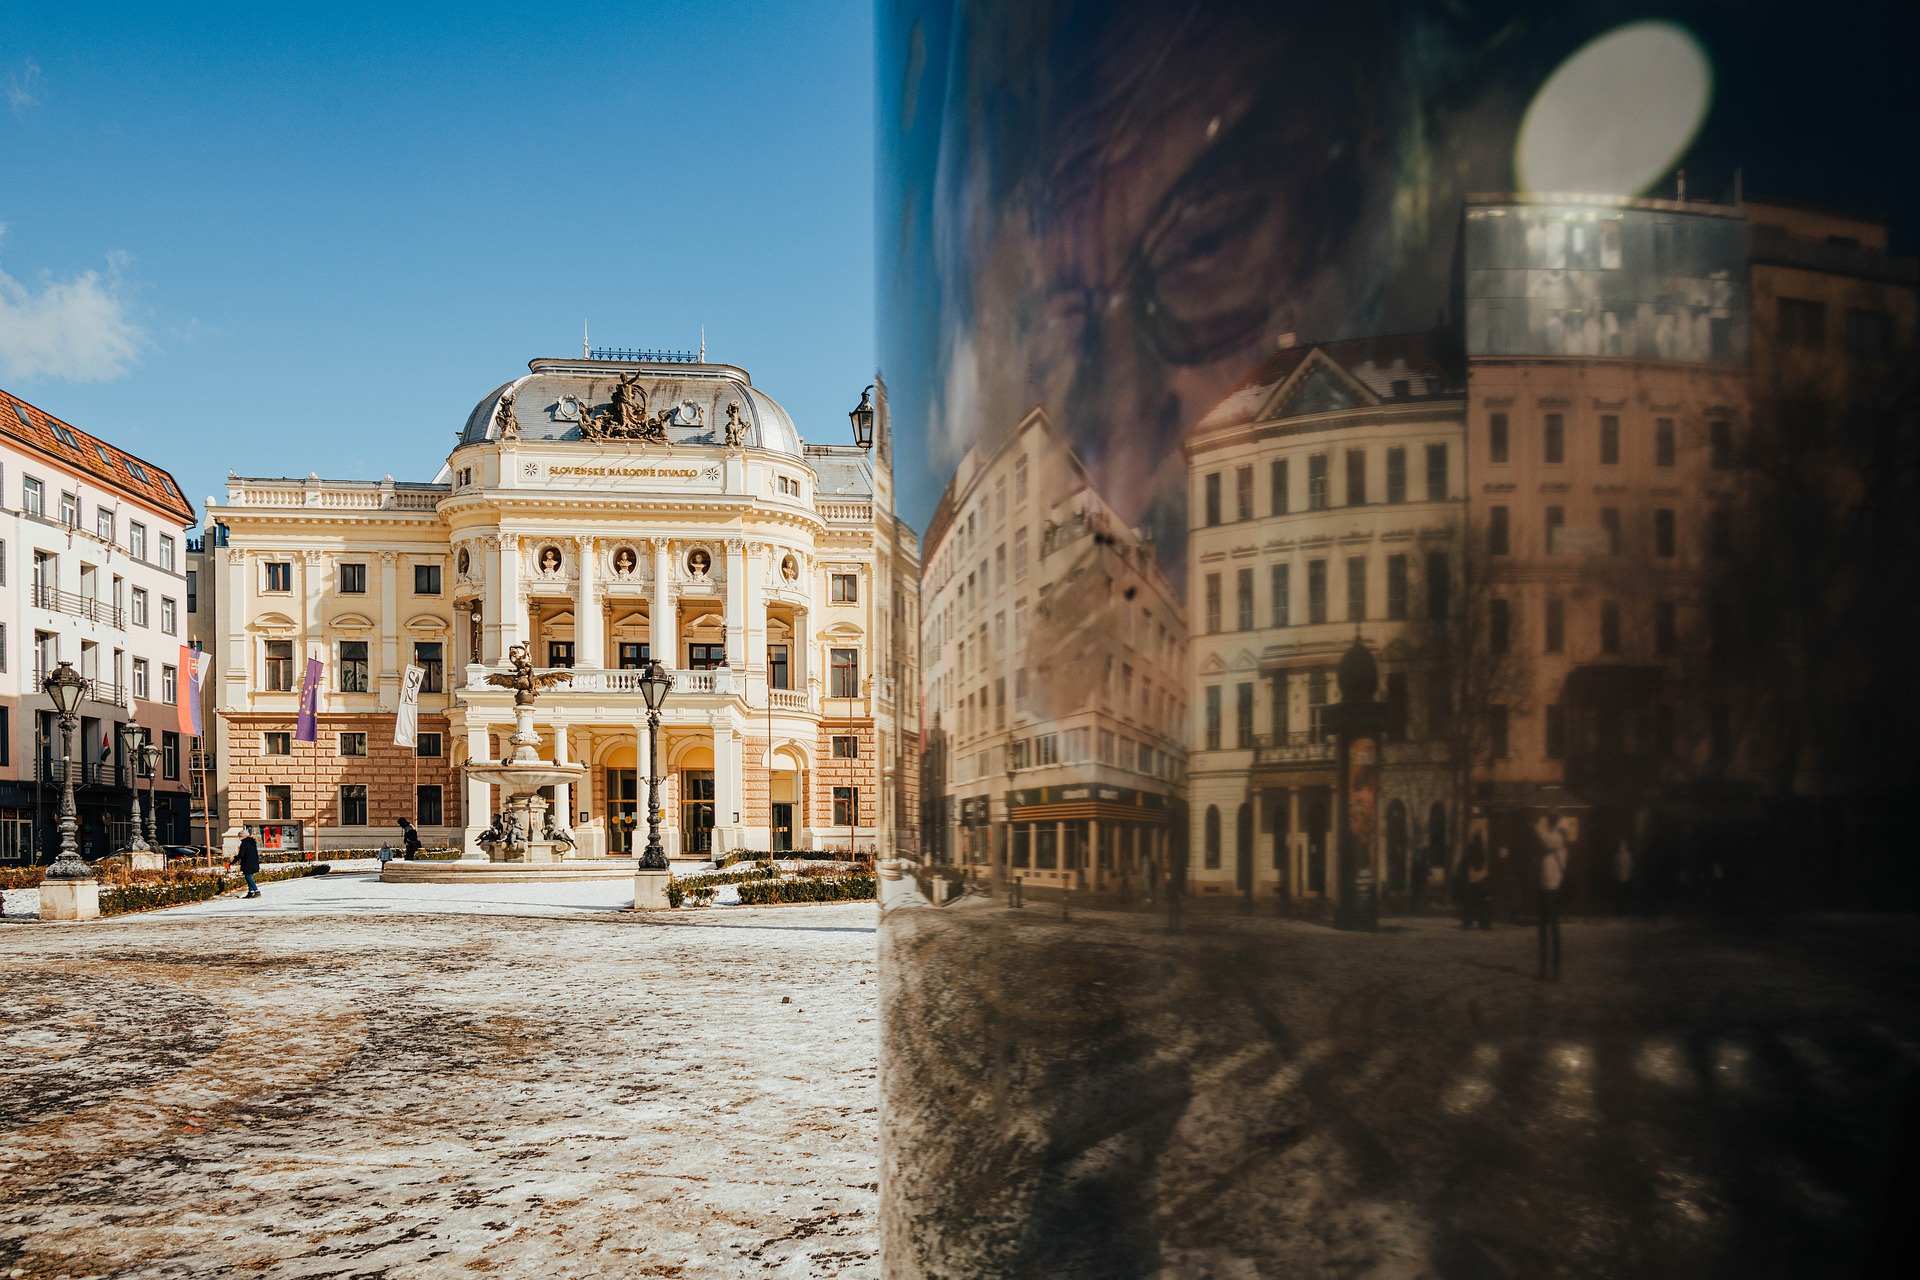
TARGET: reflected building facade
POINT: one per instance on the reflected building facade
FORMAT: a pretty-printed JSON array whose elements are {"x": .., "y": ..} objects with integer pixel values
[
  {"x": 1053, "y": 649},
  {"x": 1326, "y": 502},
  {"x": 1607, "y": 351}
]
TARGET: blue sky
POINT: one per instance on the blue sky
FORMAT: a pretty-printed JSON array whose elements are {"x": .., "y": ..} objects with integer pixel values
[{"x": 285, "y": 239}]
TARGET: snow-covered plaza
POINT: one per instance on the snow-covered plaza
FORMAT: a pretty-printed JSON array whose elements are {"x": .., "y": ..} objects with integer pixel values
[{"x": 345, "y": 1078}]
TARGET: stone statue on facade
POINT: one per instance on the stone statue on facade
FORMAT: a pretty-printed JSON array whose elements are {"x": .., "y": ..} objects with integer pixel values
[
  {"x": 509, "y": 425},
  {"x": 525, "y": 682},
  {"x": 629, "y": 410},
  {"x": 736, "y": 429}
]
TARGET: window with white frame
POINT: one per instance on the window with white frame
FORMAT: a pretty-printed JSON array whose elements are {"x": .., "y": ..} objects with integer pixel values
[
  {"x": 169, "y": 685},
  {"x": 166, "y": 551},
  {"x": 139, "y": 606},
  {"x": 33, "y": 496},
  {"x": 169, "y": 615},
  {"x": 136, "y": 540},
  {"x": 140, "y": 689}
]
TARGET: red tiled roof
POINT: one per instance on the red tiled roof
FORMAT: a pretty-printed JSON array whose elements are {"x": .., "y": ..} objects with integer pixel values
[{"x": 111, "y": 465}]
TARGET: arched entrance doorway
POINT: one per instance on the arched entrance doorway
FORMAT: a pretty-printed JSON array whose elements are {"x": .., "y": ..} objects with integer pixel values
[
  {"x": 696, "y": 802},
  {"x": 783, "y": 792},
  {"x": 622, "y": 803}
]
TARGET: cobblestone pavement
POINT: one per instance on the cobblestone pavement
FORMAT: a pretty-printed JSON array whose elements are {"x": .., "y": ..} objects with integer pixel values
[
  {"x": 1252, "y": 1097},
  {"x": 233, "y": 1090}
]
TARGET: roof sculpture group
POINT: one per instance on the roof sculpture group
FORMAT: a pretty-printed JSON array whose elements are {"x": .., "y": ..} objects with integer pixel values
[{"x": 626, "y": 417}]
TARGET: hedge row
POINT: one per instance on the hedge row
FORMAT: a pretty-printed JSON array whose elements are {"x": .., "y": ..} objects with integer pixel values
[
  {"x": 145, "y": 897},
  {"x": 701, "y": 888},
  {"x": 808, "y": 889}
]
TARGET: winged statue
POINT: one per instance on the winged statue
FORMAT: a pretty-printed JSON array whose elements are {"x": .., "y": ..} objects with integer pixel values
[{"x": 525, "y": 682}]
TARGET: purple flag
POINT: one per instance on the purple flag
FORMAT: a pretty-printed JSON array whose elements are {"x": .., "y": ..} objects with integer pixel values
[{"x": 308, "y": 728}]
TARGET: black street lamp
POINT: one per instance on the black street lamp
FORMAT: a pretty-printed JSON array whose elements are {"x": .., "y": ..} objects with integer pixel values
[
  {"x": 66, "y": 687},
  {"x": 133, "y": 748},
  {"x": 653, "y": 687},
  {"x": 150, "y": 757},
  {"x": 1360, "y": 723},
  {"x": 999, "y": 871},
  {"x": 862, "y": 416}
]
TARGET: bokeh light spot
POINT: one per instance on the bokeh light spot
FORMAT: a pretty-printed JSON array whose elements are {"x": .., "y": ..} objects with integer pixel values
[{"x": 1613, "y": 118}]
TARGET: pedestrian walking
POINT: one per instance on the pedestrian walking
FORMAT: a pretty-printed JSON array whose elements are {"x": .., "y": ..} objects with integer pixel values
[
  {"x": 1476, "y": 895},
  {"x": 250, "y": 863},
  {"x": 409, "y": 839},
  {"x": 1553, "y": 874}
]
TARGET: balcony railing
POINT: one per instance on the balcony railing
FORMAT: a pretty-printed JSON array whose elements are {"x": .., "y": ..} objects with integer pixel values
[
  {"x": 47, "y": 596},
  {"x": 1288, "y": 748},
  {"x": 86, "y": 773},
  {"x": 788, "y": 699},
  {"x": 847, "y": 512}
]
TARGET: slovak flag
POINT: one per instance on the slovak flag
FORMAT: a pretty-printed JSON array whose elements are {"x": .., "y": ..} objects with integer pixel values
[{"x": 193, "y": 665}]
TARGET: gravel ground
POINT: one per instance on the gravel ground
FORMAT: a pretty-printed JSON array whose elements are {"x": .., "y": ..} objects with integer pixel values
[
  {"x": 1250, "y": 1097},
  {"x": 345, "y": 1078}
]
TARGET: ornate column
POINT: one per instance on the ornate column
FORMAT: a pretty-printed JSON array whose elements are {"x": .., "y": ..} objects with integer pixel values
[
  {"x": 590, "y": 647},
  {"x": 728, "y": 793},
  {"x": 479, "y": 795},
  {"x": 511, "y": 628},
  {"x": 663, "y": 635},
  {"x": 390, "y": 659},
  {"x": 562, "y": 792},
  {"x": 737, "y": 606},
  {"x": 753, "y": 659}
]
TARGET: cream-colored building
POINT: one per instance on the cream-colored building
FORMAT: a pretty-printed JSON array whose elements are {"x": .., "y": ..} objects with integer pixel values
[
  {"x": 1053, "y": 651},
  {"x": 603, "y": 513},
  {"x": 1327, "y": 501}
]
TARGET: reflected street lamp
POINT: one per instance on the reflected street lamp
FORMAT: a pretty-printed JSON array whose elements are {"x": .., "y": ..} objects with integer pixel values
[
  {"x": 66, "y": 686},
  {"x": 133, "y": 748},
  {"x": 653, "y": 687}
]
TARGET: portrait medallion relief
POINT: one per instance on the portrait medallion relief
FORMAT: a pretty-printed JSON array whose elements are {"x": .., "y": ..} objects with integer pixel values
[
  {"x": 550, "y": 560},
  {"x": 625, "y": 561},
  {"x": 465, "y": 562},
  {"x": 790, "y": 569},
  {"x": 699, "y": 563}
]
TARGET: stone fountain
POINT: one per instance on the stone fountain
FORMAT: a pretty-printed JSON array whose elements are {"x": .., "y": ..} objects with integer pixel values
[{"x": 521, "y": 835}]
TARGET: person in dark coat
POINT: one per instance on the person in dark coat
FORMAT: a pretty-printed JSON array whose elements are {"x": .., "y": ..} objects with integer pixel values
[
  {"x": 250, "y": 863},
  {"x": 409, "y": 839}
]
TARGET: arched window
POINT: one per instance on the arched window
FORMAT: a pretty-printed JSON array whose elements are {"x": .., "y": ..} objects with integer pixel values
[{"x": 1213, "y": 838}]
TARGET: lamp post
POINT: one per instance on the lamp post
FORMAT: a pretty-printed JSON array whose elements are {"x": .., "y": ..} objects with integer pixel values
[
  {"x": 132, "y": 747},
  {"x": 150, "y": 756},
  {"x": 1360, "y": 723},
  {"x": 862, "y": 418},
  {"x": 65, "y": 686},
  {"x": 1000, "y": 867},
  {"x": 653, "y": 687}
]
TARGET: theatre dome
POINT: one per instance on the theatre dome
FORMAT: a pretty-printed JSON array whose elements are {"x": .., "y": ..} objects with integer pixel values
[{"x": 551, "y": 401}]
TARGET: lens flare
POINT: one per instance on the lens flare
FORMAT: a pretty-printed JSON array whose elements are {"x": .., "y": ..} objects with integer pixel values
[{"x": 1613, "y": 118}]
